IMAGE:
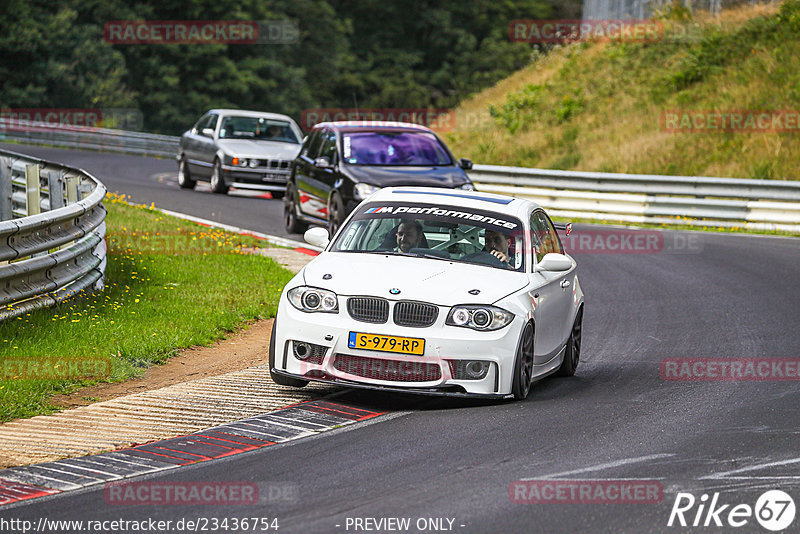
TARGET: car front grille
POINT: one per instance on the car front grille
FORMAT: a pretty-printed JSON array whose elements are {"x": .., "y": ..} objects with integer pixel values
[
  {"x": 388, "y": 370},
  {"x": 277, "y": 164},
  {"x": 407, "y": 313},
  {"x": 368, "y": 310}
]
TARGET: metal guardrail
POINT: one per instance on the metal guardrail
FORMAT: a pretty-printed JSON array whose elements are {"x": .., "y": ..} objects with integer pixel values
[
  {"x": 700, "y": 201},
  {"x": 704, "y": 201},
  {"x": 122, "y": 141},
  {"x": 52, "y": 224}
]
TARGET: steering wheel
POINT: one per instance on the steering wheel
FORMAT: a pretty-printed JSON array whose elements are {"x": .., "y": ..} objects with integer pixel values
[{"x": 483, "y": 257}]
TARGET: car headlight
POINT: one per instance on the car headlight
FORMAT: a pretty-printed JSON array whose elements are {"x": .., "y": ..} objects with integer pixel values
[
  {"x": 253, "y": 163},
  {"x": 240, "y": 162},
  {"x": 479, "y": 317},
  {"x": 467, "y": 187},
  {"x": 313, "y": 299},
  {"x": 362, "y": 191}
]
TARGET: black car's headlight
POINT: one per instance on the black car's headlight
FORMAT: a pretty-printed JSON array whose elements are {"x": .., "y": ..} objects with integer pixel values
[
  {"x": 479, "y": 317},
  {"x": 313, "y": 299},
  {"x": 362, "y": 190}
]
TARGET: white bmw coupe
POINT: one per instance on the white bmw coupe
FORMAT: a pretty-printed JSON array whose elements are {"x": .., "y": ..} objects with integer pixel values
[{"x": 432, "y": 291}]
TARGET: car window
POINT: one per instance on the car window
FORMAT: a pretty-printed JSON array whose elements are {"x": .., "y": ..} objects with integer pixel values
[
  {"x": 393, "y": 148},
  {"x": 257, "y": 129},
  {"x": 211, "y": 122},
  {"x": 541, "y": 239},
  {"x": 328, "y": 149},
  {"x": 311, "y": 148},
  {"x": 434, "y": 231},
  {"x": 198, "y": 127},
  {"x": 554, "y": 239}
]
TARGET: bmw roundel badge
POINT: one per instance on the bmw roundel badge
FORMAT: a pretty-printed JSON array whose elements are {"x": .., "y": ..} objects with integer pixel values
[{"x": 394, "y": 291}]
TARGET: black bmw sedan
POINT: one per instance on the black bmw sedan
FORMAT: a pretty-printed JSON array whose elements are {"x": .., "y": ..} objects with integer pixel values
[{"x": 342, "y": 163}]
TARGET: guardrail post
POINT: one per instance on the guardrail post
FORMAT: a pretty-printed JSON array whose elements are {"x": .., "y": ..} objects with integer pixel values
[
  {"x": 33, "y": 199},
  {"x": 55, "y": 186},
  {"x": 72, "y": 189},
  {"x": 6, "y": 210}
]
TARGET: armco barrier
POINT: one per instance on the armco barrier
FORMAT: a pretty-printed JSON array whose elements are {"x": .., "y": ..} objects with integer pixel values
[
  {"x": 52, "y": 224},
  {"x": 86, "y": 138},
  {"x": 636, "y": 198},
  {"x": 703, "y": 201}
]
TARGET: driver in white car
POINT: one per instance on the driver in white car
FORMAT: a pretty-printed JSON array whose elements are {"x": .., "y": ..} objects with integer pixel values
[
  {"x": 409, "y": 233},
  {"x": 496, "y": 243}
]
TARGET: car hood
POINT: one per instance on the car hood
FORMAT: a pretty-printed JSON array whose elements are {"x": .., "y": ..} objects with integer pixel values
[
  {"x": 439, "y": 282},
  {"x": 418, "y": 176},
  {"x": 261, "y": 149}
]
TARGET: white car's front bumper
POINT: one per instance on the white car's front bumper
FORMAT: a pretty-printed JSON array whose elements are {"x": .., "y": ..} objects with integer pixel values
[{"x": 333, "y": 360}]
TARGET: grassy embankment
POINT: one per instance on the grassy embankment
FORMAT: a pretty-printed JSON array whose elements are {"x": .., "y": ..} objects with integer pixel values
[
  {"x": 598, "y": 105},
  {"x": 170, "y": 284}
]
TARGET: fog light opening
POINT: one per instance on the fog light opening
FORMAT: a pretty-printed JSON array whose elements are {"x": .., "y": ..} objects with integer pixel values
[
  {"x": 477, "y": 370},
  {"x": 302, "y": 350}
]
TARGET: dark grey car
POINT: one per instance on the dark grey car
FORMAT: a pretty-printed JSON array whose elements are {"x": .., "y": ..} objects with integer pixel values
[{"x": 238, "y": 148}]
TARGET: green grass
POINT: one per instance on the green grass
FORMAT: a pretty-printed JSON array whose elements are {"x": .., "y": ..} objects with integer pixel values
[
  {"x": 188, "y": 285},
  {"x": 598, "y": 106}
]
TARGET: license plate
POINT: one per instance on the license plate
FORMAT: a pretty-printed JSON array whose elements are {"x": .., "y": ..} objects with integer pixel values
[
  {"x": 402, "y": 345},
  {"x": 270, "y": 176}
]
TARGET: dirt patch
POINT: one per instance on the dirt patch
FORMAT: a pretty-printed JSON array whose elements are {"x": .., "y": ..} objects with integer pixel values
[{"x": 244, "y": 349}]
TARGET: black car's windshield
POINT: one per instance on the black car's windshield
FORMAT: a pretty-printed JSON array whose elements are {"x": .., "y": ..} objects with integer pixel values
[
  {"x": 393, "y": 148},
  {"x": 257, "y": 128},
  {"x": 439, "y": 232}
]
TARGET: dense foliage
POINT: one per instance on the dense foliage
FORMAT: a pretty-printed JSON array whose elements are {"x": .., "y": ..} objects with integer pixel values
[{"x": 404, "y": 53}]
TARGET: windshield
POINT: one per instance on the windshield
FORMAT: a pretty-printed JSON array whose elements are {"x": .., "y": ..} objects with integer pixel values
[
  {"x": 257, "y": 128},
  {"x": 393, "y": 148},
  {"x": 434, "y": 231}
]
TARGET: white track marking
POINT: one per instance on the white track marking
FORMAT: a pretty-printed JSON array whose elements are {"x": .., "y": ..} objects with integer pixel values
[
  {"x": 726, "y": 474},
  {"x": 607, "y": 465}
]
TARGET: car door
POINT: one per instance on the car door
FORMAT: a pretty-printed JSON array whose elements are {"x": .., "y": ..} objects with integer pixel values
[
  {"x": 552, "y": 291},
  {"x": 325, "y": 175},
  {"x": 207, "y": 146},
  {"x": 313, "y": 181},
  {"x": 190, "y": 145}
]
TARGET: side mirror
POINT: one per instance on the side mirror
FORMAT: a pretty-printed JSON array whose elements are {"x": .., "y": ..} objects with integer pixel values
[
  {"x": 465, "y": 163},
  {"x": 317, "y": 236},
  {"x": 208, "y": 132},
  {"x": 323, "y": 162},
  {"x": 553, "y": 262}
]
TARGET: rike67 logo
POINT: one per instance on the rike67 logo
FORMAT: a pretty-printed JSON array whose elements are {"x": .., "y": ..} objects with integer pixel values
[{"x": 774, "y": 510}]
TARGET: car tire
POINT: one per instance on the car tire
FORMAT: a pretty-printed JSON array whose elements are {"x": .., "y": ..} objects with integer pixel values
[
  {"x": 185, "y": 180},
  {"x": 335, "y": 214},
  {"x": 572, "y": 355},
  {"x": 290, "y": 221},
  {"x": 523, "y": 364},
  {"x": 279, "y": 379},
  {"x": 217, "y": 181}
]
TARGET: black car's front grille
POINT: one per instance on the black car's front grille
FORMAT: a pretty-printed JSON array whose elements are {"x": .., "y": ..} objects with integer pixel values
[
  {"x": 407, "y": 313},
  {"x": 368, "y": 310}
]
